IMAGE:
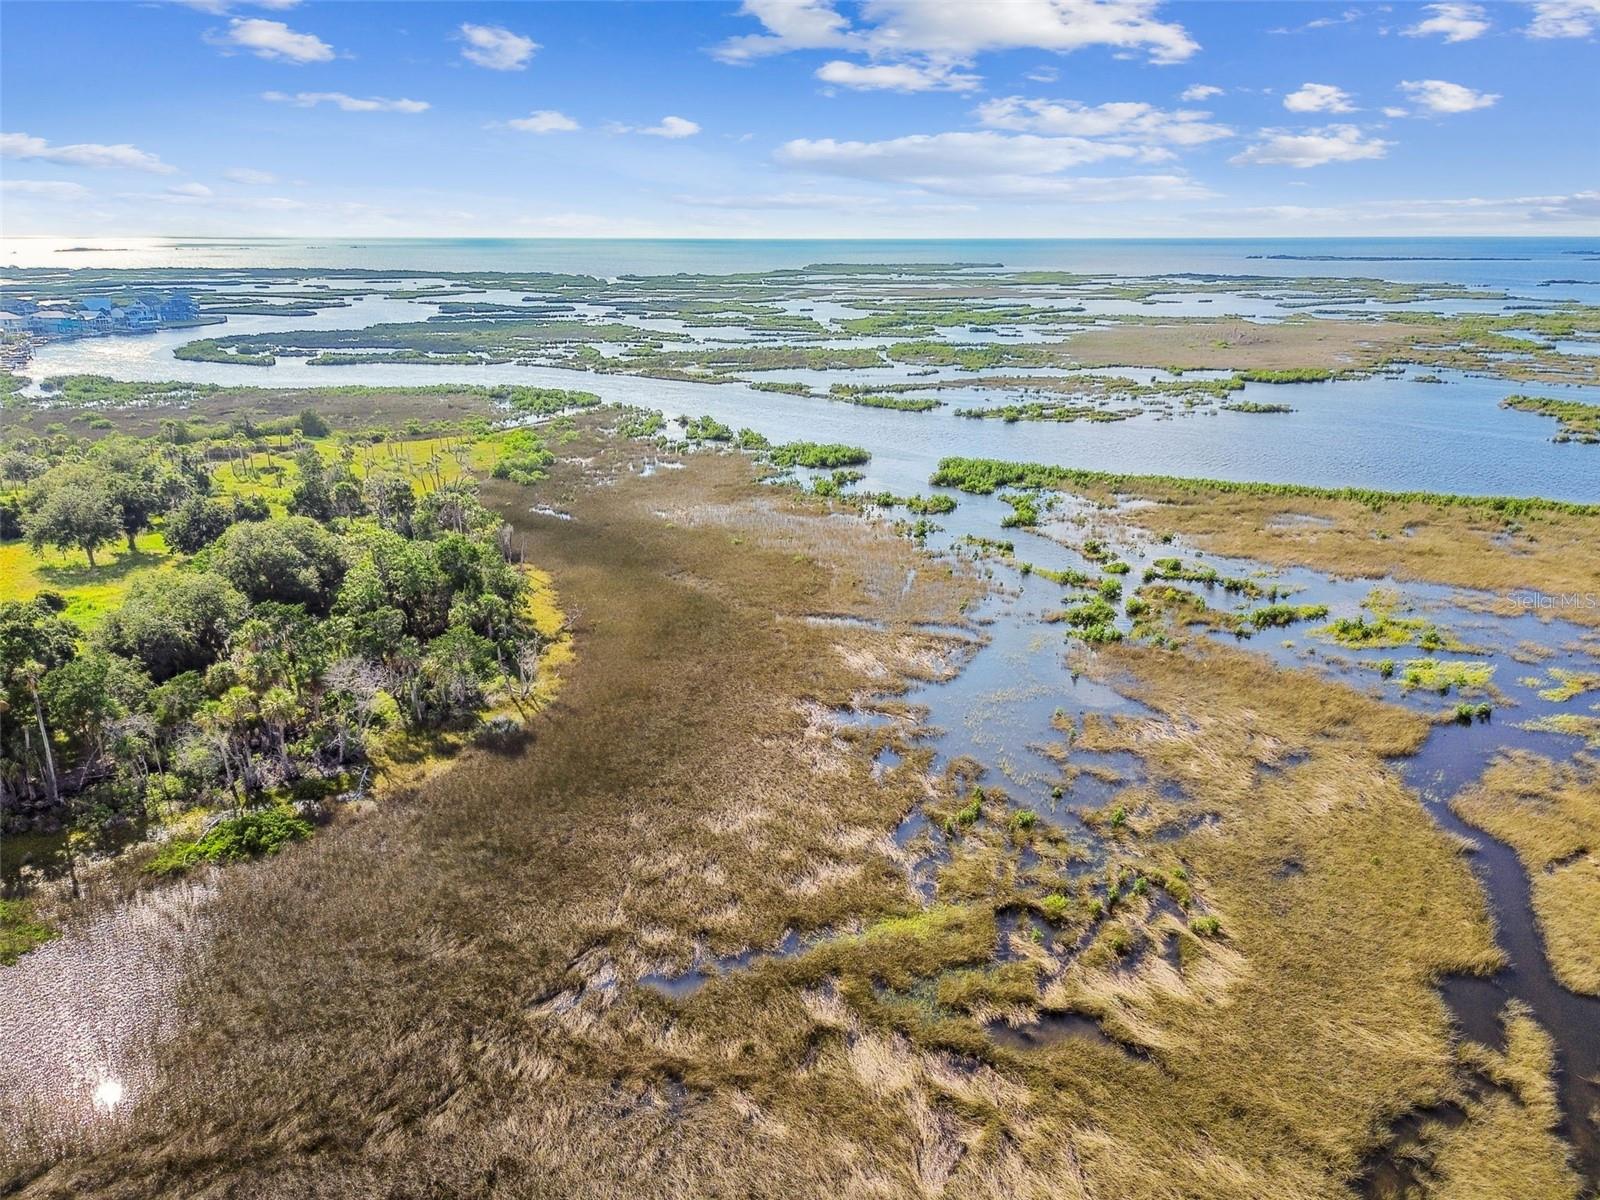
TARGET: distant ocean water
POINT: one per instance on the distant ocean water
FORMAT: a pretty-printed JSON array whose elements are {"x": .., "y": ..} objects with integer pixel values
[{"x": 1499, "y": 262}]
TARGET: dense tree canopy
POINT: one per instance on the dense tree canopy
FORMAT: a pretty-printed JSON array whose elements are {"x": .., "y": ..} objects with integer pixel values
[
  {"x": 292, "y": 560},
  {"x": 175, "y": 622},
  {"x": 267, "y": 651}
]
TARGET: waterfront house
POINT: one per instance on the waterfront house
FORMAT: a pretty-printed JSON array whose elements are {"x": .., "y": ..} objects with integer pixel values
[
  {"x": 139, "y": 315},
  {"x": 180, "y": 306},
  {"x": 56, "y": 322}
]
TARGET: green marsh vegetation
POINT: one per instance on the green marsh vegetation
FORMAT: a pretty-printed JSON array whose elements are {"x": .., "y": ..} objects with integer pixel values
[
  {"x": 1024, "y": 510},
  {"x": 1161, "y": 612},
  {"x": 20, "y": 930},
  {"x": 817, "y": 455},
  {"x": 452, "y": 341},
  {"x": 705, "y": 429},
  {"x": 1278, "y": 616},
  {"x": 787, "y": 389},
  {"x": 1579, "y": 421},
  {"x": 1444, "y": 675},
  {"x": 1290, "y": 375},
  {"x": 934, "y": 505},
  {"x": 868, "y": 396},
  {"x": 1385, "y": 629},
  {"x": 983, "y": 476},
  {"x": 1047, "y": 410}
]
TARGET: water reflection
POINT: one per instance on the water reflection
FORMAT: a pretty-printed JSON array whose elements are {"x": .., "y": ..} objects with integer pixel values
[{"x": 80, "y": 1015}]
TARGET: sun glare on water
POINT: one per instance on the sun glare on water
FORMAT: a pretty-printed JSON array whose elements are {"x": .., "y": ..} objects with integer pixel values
[{"x": 108, "y": 1094}]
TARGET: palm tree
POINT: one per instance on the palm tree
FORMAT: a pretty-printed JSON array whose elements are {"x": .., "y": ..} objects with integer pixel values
[
  {"x": 32, "y": 672},
  {"x": 278, "y": 709}
]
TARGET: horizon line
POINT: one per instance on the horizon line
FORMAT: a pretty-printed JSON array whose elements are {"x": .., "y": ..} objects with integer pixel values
[{"x": 577, "y": 237}]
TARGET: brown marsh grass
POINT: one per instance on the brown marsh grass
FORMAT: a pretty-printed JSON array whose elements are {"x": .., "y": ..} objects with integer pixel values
[
  {"x": 1343, "y": 902},
  {"x": 1545, "y": 557},
  {"x": 441, "y": 998},
  {"x": 1238, "y": 344},
  {"x": 343, "y": 408},
  {"x": 1334, "y": 345}
]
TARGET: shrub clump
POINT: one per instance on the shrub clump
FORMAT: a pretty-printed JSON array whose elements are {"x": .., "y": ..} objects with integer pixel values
[{"x": 249, "y": 835}]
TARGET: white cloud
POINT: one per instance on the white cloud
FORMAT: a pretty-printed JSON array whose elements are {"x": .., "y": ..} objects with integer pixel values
[
  {"x": 496, "y": 47},
  {"x": 791, "y": 25},
  {"x": 1199, "y": 91},
  {"x": 1391, "y": 111},
  {"x": 1347, "y": 17},
  {"x": 249, "y": 175},
  {"x": 954, "y": 31},
  {"x": 897, "y": 77},
  {"x": 669, "y": 127},
  {"x": 985, "y": 164},
  {"x": 544, "y": 120},
  {"x": 918, "y": 157},
  {"x": 274, "y": 40},
  {"x": 1453, "y": 22},
  {"x": 672, "y": 127},
  {"x": 1043, "y": 75},
  {"x": 1127, "y": 121},
  {"x": 50, "y": 189},
  {"x": 1438, "y": 96},
  {"x": 1466, "y": 214},
  {"x": 1564, "y": 18},
  {"x": 121, "y": 156},
  {"x": 191, "y": 191},
  {"x": 1318, "y": 97},
  {"x": 1312, "y": 147},
  {"x": 347, "y": 103}
]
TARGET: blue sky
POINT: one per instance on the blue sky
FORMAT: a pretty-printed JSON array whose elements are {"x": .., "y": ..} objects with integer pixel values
[{"x": 799, "y": 118}]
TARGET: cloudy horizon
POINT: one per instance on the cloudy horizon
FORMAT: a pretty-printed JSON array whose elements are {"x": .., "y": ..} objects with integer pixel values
[{"x": 799, "y": 118}]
